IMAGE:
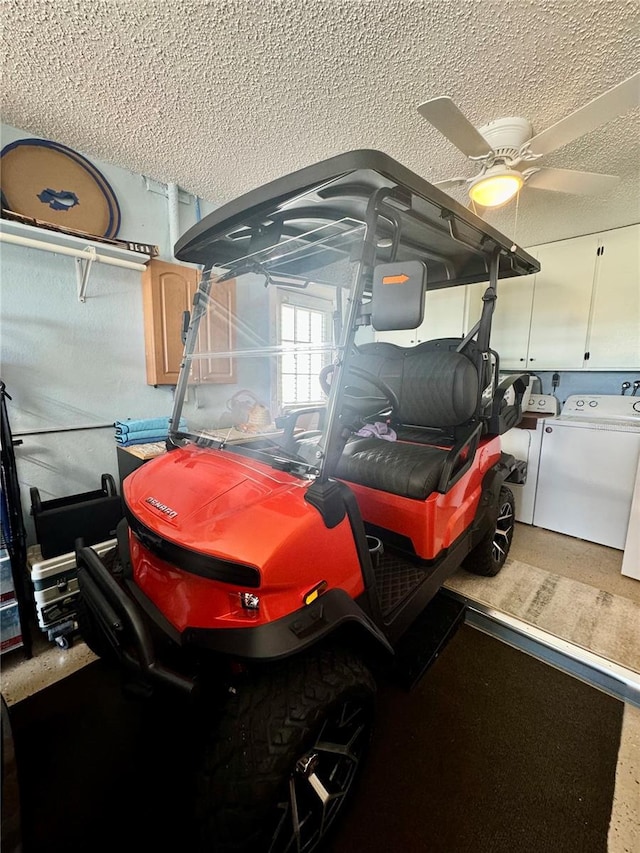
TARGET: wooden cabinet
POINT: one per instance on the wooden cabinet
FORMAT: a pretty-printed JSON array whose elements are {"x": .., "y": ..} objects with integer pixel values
[
  {"x": 217, "y": 334},
  {"x": 168, "y": 291},
  {"x": 614, "y": 334}
]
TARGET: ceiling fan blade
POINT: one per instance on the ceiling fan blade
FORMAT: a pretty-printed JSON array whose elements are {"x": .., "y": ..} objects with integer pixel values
[
  {"x": 600, "y": 110},
  {"x": 570, "y": 181},
  {"x": 452, "y": 182},
  {"x": 452, "y": 123}
]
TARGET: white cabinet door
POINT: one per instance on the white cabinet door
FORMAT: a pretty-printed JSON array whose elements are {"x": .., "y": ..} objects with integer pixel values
[
  {"x": 561, "y": 303},
  {"x": 444, "y": 313},
  {"x": 473, "y": 304},
  {"x": 512, "y": 320},
  {"x": 614, "y": 339}
]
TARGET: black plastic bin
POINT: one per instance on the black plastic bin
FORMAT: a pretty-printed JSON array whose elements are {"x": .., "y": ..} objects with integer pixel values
[{"x": 92, "y": 516}]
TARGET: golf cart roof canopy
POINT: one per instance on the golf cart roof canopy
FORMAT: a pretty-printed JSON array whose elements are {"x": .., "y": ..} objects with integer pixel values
[{"x": 415, "y": 220}]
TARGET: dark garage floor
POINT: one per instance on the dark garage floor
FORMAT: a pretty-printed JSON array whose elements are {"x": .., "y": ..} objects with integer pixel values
[{"x": 493, "y": 752}]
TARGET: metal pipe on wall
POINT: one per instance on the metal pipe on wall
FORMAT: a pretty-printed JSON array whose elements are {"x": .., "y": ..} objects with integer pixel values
[{"x": 174, "y": 215}]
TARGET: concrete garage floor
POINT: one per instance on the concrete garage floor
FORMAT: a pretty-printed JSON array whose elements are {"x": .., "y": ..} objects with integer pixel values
[
  {"x": 572, "y": 558},
  {"x": 586, "y": 563}
]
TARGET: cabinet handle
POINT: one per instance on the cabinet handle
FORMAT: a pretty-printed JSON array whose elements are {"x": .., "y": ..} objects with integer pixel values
[
  {"x": 522, "y": 359},
  {"x": 532, "y": 359}
]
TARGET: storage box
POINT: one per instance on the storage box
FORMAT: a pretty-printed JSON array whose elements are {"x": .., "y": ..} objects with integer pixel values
[
  {"x": 92, "y": 516},
  {"x": 55, "y": 586},
  {"x": 7, "y": 589},
  {"x": 10, "y": 630}
]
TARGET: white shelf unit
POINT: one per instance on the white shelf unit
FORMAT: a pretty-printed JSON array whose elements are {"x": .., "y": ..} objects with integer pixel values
[{"x": 83, "y": 250}]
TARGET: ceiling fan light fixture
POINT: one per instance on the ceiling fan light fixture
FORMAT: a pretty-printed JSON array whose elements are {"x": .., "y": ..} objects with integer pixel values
[{"x": 496, "y": 186}]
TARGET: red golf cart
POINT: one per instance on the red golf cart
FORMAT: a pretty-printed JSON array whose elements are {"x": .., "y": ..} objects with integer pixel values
[{"x": 274, "y": 568}]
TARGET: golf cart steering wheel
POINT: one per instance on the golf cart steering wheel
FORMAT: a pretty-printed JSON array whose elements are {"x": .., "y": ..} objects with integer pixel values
[{"x": 364, "y": 405}]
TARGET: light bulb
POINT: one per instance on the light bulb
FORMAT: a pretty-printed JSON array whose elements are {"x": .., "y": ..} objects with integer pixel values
[{"x": 496, "y": 186}]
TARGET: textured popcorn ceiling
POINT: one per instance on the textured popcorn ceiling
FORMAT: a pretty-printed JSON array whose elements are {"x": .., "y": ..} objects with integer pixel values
[{"x": 220, "y": 96}]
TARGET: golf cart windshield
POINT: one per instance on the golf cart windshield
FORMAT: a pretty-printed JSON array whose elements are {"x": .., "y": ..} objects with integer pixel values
[
  {"x": 288, "y": 289},
  {"x": 261, "y": 332}
]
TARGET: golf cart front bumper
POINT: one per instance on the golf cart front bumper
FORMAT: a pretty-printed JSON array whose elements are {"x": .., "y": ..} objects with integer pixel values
[{"x": 140, "y": 636}]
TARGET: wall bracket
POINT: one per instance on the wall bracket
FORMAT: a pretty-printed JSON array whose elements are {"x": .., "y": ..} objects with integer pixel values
[
  {"x": 84, "y": 251},
  {"x": 83, "y": 271}
]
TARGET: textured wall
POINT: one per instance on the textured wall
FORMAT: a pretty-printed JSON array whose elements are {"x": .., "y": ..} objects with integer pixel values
[{"x": 67, "y": 363}]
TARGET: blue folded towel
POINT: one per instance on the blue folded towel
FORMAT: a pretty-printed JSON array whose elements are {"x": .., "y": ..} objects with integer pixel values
[
  {"x": 147, "y": 436},
  {"x": 156, "y": 424}
]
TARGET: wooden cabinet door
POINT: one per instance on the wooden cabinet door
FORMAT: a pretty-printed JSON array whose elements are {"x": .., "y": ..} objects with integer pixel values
[
  {"x": 167, "y": 292},
  {"x": 614, "y": 336},
  {"x": 561, "y": 304},
  {"x": 217, "y": 334}
]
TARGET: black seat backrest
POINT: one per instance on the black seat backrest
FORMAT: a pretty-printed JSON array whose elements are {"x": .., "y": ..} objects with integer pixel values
[{"x": 436, "y": 387}]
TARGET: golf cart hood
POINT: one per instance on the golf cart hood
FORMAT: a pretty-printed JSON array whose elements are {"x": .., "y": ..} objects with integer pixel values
[{"x": 198, "y": 497}]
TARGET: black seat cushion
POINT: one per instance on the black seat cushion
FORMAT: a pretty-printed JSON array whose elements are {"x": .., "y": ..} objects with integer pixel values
[
  {"x": 436, "y": 388},
  {"x": 409, "y": 470},
  {"x": 423, "y": 435}
]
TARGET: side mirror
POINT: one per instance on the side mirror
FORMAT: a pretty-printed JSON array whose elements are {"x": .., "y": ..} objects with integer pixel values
[{"x": 397, "y": 299}]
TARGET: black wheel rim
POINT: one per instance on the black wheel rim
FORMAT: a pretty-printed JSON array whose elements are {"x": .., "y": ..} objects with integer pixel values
[
  {"x": 322, "y": 779},
  {"x": 503, "y": 533}
]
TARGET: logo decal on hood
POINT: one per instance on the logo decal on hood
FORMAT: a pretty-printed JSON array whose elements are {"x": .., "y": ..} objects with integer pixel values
[{"x": 171, "y": 513}]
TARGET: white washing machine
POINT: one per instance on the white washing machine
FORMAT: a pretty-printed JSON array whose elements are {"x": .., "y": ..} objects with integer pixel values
[
  {"x": 631, "y": 556},
  {"x": 588, "y": 463},
  {"x": 525, "y": 442}
]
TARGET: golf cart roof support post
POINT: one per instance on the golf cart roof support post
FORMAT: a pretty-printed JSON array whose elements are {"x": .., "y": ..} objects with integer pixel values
[
  {"x": 489, "y": 301},
  {"x": 388, "y": 213},
  {"x": 334, "y": 444},
  {"x": 484, "y": 327},
  {"x": 199, "y": 300}
]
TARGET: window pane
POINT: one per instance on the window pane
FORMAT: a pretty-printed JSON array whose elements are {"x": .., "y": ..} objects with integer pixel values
[
  {"x": 299, "y": 372},
  {"x": 303, "y": 363},
  {"x": 288, "y": 388},
  {"x": 288, "y": 323},
  {"x": 303, "y": 327},
  {"x": 316, "y": 324},
  {"x": 289, "y": 363}
]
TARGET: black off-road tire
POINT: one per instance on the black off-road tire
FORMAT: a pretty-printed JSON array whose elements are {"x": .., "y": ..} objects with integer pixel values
[
  {"x": 490, "y": 554},
  {"x": 281, "y": 727}
]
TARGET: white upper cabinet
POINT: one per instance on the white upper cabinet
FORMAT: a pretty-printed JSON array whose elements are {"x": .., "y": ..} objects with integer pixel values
[
  {"x": 444, "y": 317},
  {"x": 614, "y": 336},
  {"x": 561, "y": 303},
  {"x": 580, "y": 312},
  {"x": 512, "y": 320}
]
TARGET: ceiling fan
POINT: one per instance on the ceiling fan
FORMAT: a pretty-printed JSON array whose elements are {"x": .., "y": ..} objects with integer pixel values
[{"x": 507, "y": 150}]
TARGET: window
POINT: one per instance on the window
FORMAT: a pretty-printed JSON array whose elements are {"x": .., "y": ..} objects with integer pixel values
[{"x": 302, "y": 324}]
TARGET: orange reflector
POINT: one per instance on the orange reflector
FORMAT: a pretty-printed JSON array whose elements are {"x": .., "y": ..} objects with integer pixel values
[
  {"x": 395, "y": 279},
  {"x": 311, "y": 596}
]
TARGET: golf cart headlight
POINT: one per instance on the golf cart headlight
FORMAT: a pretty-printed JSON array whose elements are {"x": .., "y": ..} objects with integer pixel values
[{"x": 249, "y": 600}]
